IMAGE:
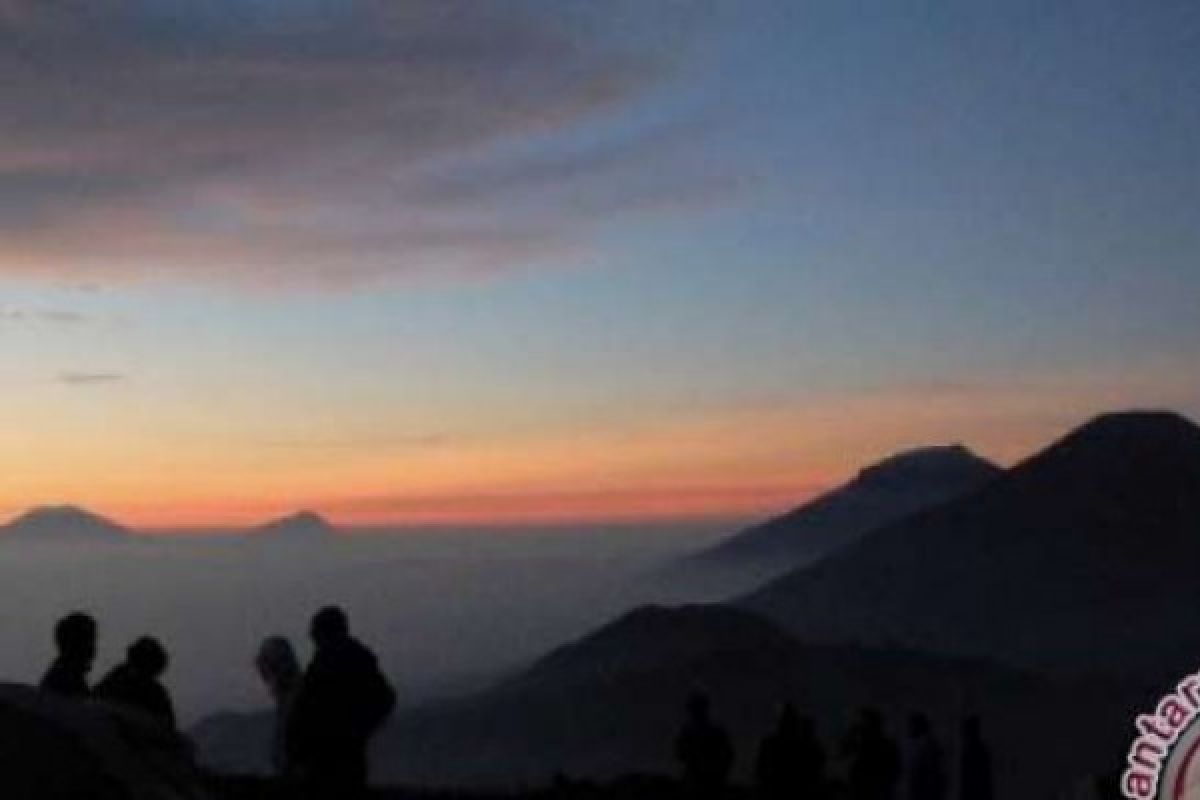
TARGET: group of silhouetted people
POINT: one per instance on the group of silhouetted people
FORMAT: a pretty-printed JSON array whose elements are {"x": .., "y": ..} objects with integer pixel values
[
  {"x": 325, "y": 714},
  {"x": 792, "y": 762},
  {"x": 134, "y": 683}
]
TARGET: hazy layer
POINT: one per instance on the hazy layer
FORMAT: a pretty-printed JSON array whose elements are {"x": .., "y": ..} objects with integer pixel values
[{"x": 444, "y": 610}]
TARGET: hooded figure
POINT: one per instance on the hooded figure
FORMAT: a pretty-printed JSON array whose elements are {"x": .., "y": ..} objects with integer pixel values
[{"x": 279, "y": 669}]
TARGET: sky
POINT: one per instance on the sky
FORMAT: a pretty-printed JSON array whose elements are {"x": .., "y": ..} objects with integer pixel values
[{"x": 457, "y": 262}]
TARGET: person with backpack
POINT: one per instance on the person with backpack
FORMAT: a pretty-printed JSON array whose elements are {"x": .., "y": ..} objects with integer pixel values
[{"x": 342, "y": 700}]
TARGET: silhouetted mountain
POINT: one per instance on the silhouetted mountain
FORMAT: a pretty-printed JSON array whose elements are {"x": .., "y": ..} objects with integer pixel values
[
  {"x": 1081, "y": 558},
  {"x": 62, "y": 524},
  {"x": 611, "y": 703},
  {"x": 303, "y": 525},
  {"x": 882, "y": 493}
]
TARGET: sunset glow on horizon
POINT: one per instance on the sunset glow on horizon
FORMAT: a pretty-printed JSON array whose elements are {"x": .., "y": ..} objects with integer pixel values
[{"x": 549, "y": 263}]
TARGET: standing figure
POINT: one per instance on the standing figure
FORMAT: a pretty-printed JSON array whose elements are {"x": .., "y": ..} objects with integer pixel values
[
  {"x": 75, "y": 639},
  {"x": 343, "y": 699},
  {"x": 975, "y": 780},
  {"x": 703, "y": 750},
  {"x": 874, "y": 759},
  {"x": 135, "y": 684},
  {"x": 927, "y": 764},
  {"x": 279, "y": 669},
  {"x": 791, "y": 761}
]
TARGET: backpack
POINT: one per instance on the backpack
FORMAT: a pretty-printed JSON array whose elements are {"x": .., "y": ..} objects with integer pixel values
[{"x": 375, "y": 702}]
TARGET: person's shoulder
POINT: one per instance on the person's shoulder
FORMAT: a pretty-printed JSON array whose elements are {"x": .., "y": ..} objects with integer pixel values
[
  {"x": 115, "y": 678},
  {"x": 361, "y": 655},
  {"x": 337, "y": 657},
  {"x": 359, "y": 648},
  {"x": 52, "y": 676}
]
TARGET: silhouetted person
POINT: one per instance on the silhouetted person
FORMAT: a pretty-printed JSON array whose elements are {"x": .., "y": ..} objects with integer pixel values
[
  {"x": 135, "y": 684},
  {"x": 75, "y": 639},
  {"x": 874, "y": 766},
  {"x": 791, "y": 761},
  {"x": 927, "y": 763},
  {"x": 975, "y": 780},
  {"x": 279, "y": 669},
  {"x": 704, "y": 750},
  {"x": 342, "y": 700}
]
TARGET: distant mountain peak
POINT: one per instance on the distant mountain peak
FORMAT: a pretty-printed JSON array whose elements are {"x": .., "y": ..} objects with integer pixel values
[
  {"x": 301, "y": 524},
  {"x": 1124, "y": 450},
  {"x": 1121, "y": 426},
  {"x": 63, "y": 522},
  {"x": 53, "y": 511},
  {"x": 932, "y": 463},
  {"x": 902, "y": 484}
]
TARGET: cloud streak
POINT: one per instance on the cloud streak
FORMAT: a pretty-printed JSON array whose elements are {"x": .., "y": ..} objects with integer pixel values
[
  {"x": 305, "y": 143},
  {"x": 55, "y": 316},
  {"x": 90, "y": 378},
  {"x": 361, "y": 443}
]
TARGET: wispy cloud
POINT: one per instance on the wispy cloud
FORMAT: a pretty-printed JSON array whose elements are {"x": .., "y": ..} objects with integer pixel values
[
  {"x": 359, "y": 443},
  {"x": 51, "y": 315},
  {"x": 295, "y": 143},
  {"x": 90, "y": 378}
]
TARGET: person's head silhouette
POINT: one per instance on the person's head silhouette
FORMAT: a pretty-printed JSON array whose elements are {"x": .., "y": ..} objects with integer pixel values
[
  {"x": 789, "y": 719},
  {"x": 147, "y": 656},
  {"x": 918, "y": 726},
  {"x": 75, "y": 637},
  {"x": 277, "y": 664},
  {"x": 697, "y": 706},
  {"x": 971, "y": 728},
  {"x": 329, "y": 626}
]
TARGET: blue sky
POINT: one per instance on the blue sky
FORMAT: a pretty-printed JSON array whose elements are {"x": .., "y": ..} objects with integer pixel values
[{"x": 436, "y": 248}]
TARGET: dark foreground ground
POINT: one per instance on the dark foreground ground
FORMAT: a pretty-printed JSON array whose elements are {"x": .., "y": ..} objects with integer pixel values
[
  {"x": 630, "y": 788},
  {"x": 640, "y": 787}
]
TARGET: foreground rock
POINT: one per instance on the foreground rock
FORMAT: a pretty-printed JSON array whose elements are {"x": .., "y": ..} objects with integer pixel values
[{"x": 56, "y": 748}]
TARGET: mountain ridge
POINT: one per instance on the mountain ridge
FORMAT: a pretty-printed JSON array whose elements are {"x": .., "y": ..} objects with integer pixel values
[
  {"x": 887, "y": 490},
  {"x": 1099, "y": 530}
]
